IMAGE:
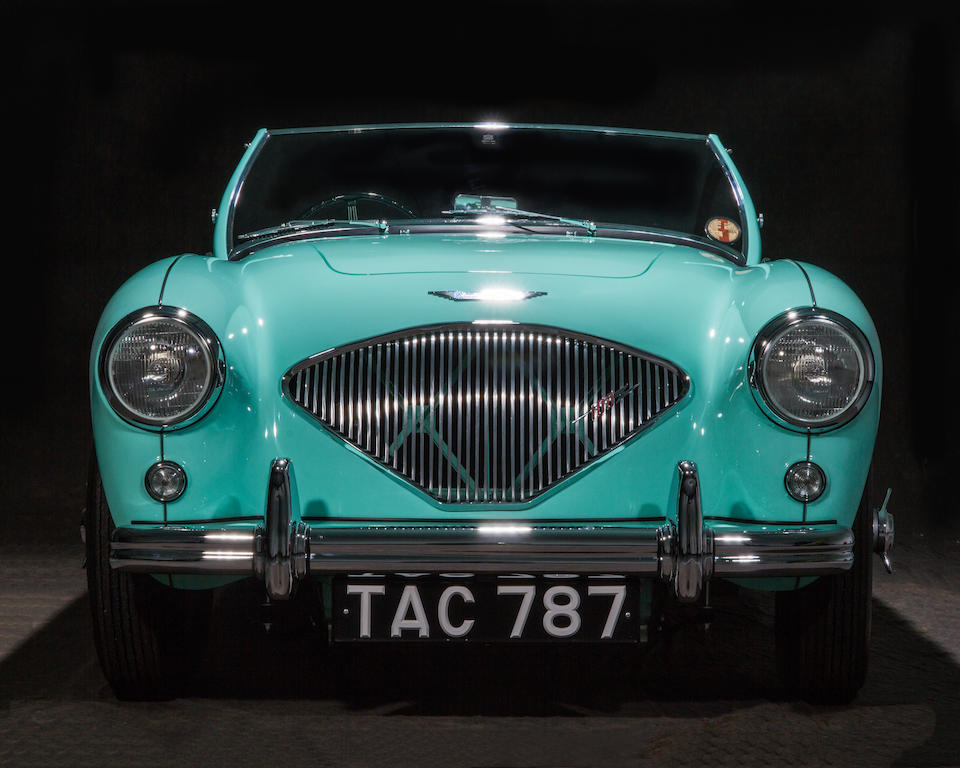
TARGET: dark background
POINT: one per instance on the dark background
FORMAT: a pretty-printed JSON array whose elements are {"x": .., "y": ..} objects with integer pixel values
[{"x": 124, "y": 121}]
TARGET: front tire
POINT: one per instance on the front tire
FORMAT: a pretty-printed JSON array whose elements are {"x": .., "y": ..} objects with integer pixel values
[
  {"x": 823, "y": 630},
  {"x": 141, "y": 628}
]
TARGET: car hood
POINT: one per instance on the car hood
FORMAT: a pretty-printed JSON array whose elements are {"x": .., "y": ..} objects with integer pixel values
[{"x": 473, "y": 254}]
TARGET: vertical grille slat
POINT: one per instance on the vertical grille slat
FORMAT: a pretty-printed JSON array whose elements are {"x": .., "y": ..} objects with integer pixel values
[
  {"x": 468, "y": 417},
  {"x": 448, "y": 436},
  {"x": 405, "y": 408},
  {"x": 390, "y": 400},
  {"x": 430, "y": 423},
  {"x": 474, "y": 445},
  {"x": 504, "y": 474},
  {"x": 513, "y": 422},
  {"x": 577, "y": 427},
  {"x": 494, "y": 454},
  {"x": 531, "y": 432},
  {"x": 566, "y": 404},
  {"x": 349, "y": 396},
  {"x": 306, "y": 385},
  {"x": 359, "y": 397},
  {"x": 493, "y": 416}
]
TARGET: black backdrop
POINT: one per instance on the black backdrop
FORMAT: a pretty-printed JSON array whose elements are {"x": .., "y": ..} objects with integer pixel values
[{"x": 123, "y": 122}]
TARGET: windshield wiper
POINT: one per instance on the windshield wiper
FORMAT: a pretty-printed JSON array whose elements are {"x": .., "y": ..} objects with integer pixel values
[
  {"x": 477, "y": 210},
  {"x": 298, "y": 224}
]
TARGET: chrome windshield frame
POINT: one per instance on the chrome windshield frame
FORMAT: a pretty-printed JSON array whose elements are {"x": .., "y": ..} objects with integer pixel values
[{"x": 227, "y": 246}]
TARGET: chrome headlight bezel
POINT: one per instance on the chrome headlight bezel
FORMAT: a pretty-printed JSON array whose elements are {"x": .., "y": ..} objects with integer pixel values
[
  {"x": 773, "y": 331},
  {"x": 211, "y": 349}
]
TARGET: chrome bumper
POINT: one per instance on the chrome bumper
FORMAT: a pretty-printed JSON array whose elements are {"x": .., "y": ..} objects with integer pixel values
[{"x": 686, "y": 553}]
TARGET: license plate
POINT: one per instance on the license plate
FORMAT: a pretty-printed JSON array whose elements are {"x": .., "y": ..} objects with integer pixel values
[{"x": 425, "y": 607}]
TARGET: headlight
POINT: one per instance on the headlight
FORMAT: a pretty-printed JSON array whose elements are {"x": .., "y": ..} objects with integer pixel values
[
  {"x": 813, "y": 368},
  {"x": 159, "y": 366}
]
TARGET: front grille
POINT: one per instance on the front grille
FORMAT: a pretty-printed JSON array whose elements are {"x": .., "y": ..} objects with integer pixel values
[{"x": 500, "y": 414}]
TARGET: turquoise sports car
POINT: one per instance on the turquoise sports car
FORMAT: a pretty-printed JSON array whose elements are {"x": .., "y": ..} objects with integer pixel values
[{"x": 485, "y": 382}]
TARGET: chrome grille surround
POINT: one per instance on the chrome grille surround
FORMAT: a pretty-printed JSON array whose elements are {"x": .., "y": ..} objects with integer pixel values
[{"x": 472, "y": 413}]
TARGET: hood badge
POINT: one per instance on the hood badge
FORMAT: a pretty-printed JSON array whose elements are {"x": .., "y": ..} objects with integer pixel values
[{"x": 488, "y": 294}]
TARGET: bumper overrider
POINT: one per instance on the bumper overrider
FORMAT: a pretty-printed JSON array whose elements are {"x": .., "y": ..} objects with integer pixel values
[{"x": 686, "y": 553}]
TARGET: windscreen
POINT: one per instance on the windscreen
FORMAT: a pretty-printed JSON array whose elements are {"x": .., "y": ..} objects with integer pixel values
[{"x": 418, "y": 175}]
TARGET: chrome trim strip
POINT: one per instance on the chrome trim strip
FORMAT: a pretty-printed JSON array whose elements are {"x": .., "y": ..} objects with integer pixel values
[
  {"x": 491, "y": 127},
  {"x": 813, "y": 296},
  {"x": 441, "y": 227},
  {"x": 166, "y": 276},
  {"x": 421, "y": 392}
]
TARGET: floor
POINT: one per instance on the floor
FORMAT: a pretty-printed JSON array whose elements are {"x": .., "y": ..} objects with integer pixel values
[{"x": 696, "y": 698}]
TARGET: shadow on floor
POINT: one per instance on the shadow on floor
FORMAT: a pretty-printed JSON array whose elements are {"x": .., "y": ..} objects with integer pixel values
[{"x": 689, "y": 675}]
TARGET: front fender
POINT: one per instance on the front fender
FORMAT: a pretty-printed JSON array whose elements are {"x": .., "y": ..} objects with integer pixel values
[{"x": 124, "y": 452}]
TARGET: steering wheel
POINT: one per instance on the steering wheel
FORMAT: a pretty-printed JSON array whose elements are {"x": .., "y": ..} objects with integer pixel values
[{"x": 351, "y": 200}]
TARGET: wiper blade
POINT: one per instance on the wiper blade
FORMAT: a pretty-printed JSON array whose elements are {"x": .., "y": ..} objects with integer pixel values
[
  {"x": 590, "y": 226},
  {"x": 298, "y": 224}
]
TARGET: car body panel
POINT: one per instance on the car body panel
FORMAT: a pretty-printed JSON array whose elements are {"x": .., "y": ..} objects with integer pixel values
[
  {"x": 285, "y": 304},
  {"x": 122, "y": 447}
]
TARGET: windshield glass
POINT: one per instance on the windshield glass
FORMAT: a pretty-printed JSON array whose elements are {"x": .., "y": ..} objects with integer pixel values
[{"x": 545, "y": 180}]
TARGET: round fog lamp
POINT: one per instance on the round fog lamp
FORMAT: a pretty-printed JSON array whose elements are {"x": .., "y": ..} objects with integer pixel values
[
  {"x": 165, "y": 481},
  {"x": 805, "y": 481}
]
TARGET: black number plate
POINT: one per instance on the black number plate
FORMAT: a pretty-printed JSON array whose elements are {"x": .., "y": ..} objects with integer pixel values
[{"x": 424, "y": 607}]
